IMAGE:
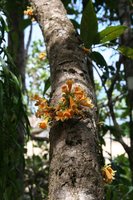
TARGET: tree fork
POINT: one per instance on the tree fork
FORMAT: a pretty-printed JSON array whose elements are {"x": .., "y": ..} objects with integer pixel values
[{"x": 74, "y": 146}]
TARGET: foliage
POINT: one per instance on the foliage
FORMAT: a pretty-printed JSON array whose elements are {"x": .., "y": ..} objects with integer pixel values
[
  {"x": 36, "y": 165},
  {"x": 14, "y": 124},
  {"x": 110, "y": 33},
  {"x": 121, "y": 187},
  {"x": 89, "y": 26},
  {"x": 12, "y": 117},
  {"x": 36, "y": 173},
  {"x": 112, "y": 94},
  {"x": 90, "y": 35},
  {"x": 37, "y": 70},
  {"x": 126, "y": 51}
]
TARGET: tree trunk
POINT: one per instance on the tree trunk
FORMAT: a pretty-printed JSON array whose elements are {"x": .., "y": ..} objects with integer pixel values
[
  {"x": 16, "y": 37},
  {"x": 124, "y": 11},
  {"x": 16, "y": 50},
  {"x": 74, "y": 146}
]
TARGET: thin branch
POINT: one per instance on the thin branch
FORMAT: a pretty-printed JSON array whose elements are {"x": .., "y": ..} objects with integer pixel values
[
  {"x": 29, "y": 40},
  {"x": 100, "y": 78},
  {"x": 39, "y": 138},
  {"x": 111, "y": 108},
  {"x": 115, "y": 78},
  {"x": 114, "y": 100},
  {"x": 34, "y": 135},
  {"x": 125, "y": 146}
]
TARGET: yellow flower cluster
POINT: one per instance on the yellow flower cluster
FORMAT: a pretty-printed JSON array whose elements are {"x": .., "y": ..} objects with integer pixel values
[
  {"x": 42, "y": 55},
  {"x": 108, "y": 174},
  {"x": 29, "y": 11},
  {"x": 73, "y": 102}
]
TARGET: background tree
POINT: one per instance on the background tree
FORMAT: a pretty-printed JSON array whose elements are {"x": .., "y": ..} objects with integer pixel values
[
  {"x": 116, "y": 78},
  {"x": 13, "y": 119}
]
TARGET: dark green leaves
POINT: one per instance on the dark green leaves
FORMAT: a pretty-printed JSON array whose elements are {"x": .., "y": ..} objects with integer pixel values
[
  {"x": 3, "y": 28},
  {"x": 1, "y": 98},
  {"x": 126, "y": 51},
  {"x": 25, "y": 23},
  {"x": 47, "y": 85},
  {"x": 101, "y": 63},
  {"x": 111, "y": 33},
  {"x": 98, "y": 58},
  {"x": 89, "y": 27}
]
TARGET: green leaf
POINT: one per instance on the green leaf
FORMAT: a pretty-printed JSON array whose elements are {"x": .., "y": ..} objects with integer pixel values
[
  {"x": 130, "y": 190},
  {"x": 89, "y": 26},
  {"x": 98, "y": 59},
  {"x": 2, "y": 29},
  {"x": 47, "y": 85},
  {"x": 75, "y": 24},
  {"x": 111, "y": 33},
  {"x": 72, "y": 11},
  {"x": 126, "y": 51},
  {"x": 15, "y": 79},
  {"x": 1, "y": 99},
  {"x": 24, "y": 23}
]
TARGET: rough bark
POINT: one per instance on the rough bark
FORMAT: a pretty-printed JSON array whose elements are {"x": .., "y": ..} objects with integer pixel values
[
  {"x": 124, "y": 12},
  {"x": 74, "y": 146}
]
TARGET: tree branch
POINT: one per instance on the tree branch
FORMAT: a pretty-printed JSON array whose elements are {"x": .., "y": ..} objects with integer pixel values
[
  {"x": 29, "y": 38},
  {"x": 115, "y": 78}
]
